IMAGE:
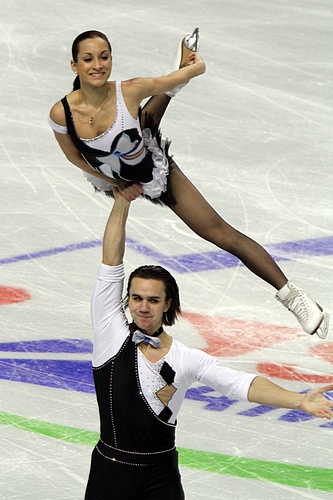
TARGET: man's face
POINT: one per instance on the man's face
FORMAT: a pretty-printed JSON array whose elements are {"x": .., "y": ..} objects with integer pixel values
[{"x": 147, "y": 303}]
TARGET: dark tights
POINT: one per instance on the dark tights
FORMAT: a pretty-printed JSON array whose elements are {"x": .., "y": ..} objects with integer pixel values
[{"x": 199, "y": 215}]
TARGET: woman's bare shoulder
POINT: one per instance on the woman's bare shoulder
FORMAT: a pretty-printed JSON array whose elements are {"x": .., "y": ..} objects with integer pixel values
[{"x": 57, "y": 112}]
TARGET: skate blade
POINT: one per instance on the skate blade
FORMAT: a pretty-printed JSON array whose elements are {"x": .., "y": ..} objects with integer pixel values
[
  {"x": 188, "y": 46},
  {"x": 322, "y": 331},
  {"x": 192, "y": 41}
]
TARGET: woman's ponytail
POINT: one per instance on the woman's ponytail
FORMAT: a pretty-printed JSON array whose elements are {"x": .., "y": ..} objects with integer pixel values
[{"x": 76, "y": 83}]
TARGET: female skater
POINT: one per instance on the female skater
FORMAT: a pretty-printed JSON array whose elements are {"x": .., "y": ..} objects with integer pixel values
[{"x": 101, "y": 130}]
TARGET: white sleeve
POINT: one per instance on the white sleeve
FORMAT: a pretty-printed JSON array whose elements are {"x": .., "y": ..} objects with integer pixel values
[
  {"x": 210, "y": 371},
  {"x": 57, "y": 128},
  {"x": 110, "y": 326}
]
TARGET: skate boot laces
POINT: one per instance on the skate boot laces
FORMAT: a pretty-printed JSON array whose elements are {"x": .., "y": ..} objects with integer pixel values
[
  {"x": 308, "y": 313},
  {"x": 298, "y": 304}
]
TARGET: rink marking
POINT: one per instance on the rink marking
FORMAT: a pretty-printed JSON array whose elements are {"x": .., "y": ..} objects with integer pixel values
[
  {"x": 300, "y": 476},
  {"x": 195, "y": 262},
  {"x": 13, "y": 295}
]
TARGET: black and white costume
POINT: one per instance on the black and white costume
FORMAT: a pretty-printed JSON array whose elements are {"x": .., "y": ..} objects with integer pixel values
[
  {"x": 139, "y": 401},
  {"x": 123, "y": 151}
]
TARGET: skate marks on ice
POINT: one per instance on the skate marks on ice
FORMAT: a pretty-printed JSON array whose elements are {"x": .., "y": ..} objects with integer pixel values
[{"x": 259, "y": 147}]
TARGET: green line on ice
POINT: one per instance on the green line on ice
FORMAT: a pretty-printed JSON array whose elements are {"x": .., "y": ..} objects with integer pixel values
[{"x": 314, "y": 478}]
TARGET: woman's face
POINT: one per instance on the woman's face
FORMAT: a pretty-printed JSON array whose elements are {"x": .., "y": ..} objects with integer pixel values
[{"x": 94, "y": 62}]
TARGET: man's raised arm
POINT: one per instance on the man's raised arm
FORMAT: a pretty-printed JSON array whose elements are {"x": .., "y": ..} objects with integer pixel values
[{"x": 115, "y": 231}]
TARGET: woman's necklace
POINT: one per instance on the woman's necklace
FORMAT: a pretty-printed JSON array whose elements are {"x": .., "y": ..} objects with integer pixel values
[{"x": 92, "y": 119}]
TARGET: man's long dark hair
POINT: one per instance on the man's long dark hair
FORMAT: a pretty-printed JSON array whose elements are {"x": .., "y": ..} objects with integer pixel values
[{"x": 170, "y": 286}]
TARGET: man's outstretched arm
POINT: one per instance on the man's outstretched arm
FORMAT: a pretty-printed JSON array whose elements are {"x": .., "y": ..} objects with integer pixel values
[{"x": 264, "y": 392}]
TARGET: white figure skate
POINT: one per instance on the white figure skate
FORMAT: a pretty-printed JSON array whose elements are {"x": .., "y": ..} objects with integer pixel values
[
  {"x": 187, "y": 45},
  {"x": 309, "y": 314}
]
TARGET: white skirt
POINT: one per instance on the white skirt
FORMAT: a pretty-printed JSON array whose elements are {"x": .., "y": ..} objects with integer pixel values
[{"x": 158, "y": 185}]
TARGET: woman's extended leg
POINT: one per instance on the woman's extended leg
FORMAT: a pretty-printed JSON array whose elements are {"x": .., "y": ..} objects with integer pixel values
[
  {"x": 198, "y": 214},
  {"x": 195, "y": 211}
]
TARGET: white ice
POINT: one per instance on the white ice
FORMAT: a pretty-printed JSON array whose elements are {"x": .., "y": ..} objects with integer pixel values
[{"x": 254, "y": 134}]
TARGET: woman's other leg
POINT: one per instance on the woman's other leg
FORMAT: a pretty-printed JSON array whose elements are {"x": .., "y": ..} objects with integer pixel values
[
  {"x": 199, "y": 215},
  {"x": 196, "y": 212},
  {"x": 154, "y": 110}
]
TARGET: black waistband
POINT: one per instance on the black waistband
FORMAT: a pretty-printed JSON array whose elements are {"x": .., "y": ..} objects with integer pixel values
[{"x": 136, "y": 458}]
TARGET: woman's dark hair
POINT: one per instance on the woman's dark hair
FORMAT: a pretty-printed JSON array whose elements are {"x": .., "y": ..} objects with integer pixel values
[
  {"x": 170, "y": 286},
  {"x": 76, "y": 48}
]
